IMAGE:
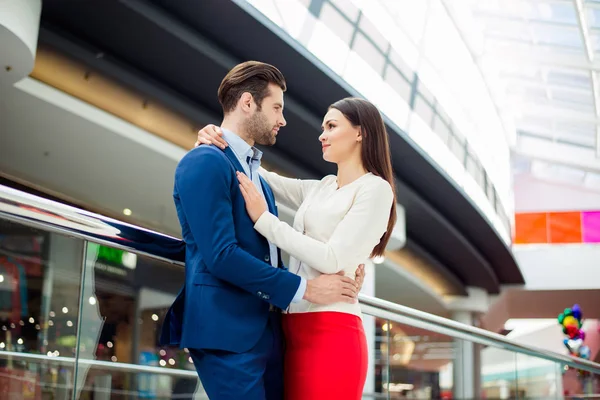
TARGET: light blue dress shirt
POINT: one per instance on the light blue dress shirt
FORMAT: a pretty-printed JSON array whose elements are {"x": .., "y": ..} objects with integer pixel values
[{"x": 249, "y": 157}]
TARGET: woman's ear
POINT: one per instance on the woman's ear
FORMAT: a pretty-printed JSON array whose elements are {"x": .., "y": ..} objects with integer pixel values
[{"x": 359, "y": 135}]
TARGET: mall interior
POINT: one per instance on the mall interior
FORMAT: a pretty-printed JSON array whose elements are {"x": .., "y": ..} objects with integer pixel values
[{"x": 490, "y": 285}]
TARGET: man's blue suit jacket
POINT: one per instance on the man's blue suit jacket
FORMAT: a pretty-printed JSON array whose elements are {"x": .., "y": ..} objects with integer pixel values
[{"x": 229, "y": 281}]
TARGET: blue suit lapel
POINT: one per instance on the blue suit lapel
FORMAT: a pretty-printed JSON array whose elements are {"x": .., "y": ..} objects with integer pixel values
[
  {"x": 265, "y": 187},
  {"x": 268, "y": 196},
  {"x": 273, "y": 210}
]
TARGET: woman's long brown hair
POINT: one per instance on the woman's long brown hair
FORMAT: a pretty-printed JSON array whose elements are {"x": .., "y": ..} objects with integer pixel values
[{"x": 376, "y": 156}]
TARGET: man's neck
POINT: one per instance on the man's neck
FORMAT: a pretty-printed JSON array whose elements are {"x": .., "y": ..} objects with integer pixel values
[{"x": 236, "y": 128}]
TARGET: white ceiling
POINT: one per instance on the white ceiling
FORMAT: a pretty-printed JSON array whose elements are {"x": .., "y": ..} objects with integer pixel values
[
  {"x": 540, "y": 59},
  {"x": 82, "y": 154}
]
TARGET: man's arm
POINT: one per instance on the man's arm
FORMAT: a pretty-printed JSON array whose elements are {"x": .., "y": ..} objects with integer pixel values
[{"x": 204, "y": 183}]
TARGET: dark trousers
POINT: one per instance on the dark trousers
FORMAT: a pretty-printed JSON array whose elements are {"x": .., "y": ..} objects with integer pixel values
[{"x": 253, "y": 375}]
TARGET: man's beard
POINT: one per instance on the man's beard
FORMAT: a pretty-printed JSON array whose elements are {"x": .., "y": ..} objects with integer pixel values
[{"x": 259, "y": 129}]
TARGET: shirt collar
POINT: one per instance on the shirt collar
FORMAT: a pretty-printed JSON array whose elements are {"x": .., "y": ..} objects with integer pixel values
[{"x": 240, "y": 147}]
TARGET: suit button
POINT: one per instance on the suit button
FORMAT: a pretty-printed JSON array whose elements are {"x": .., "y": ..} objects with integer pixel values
[{"x": 267, "y": 258}]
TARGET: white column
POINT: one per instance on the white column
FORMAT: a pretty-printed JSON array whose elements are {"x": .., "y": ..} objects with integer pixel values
[
  {"x": 19, "y": 27},
  {"x": 464, "y": 357},
  {"x": 467, "y": 357}
]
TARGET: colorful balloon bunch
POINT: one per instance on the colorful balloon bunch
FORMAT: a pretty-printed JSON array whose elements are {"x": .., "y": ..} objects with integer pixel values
[{"x": 570, "y": 320}]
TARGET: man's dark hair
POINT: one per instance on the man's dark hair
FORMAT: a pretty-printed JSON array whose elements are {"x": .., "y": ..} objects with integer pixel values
[{"x": 252, "y": 77}]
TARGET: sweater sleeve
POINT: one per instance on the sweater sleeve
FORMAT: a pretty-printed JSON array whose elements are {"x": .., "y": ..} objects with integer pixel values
[
  {"x": 288, "y": 191},
  {"x": 352, "y": 241}
]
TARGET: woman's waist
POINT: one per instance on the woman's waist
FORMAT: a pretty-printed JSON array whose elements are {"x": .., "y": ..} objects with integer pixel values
[
  {"x": 309, "y": 328},
  {"x": 306, "y": 271},
  {"x": 307, "y": 307}
]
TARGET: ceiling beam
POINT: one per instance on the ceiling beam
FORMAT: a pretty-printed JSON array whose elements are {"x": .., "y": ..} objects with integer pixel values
[
  {"x": 584, "y": 29},
  {"x": 522, "y": 108},
  {"x": 521, "y": 81},
  {"x": 539, "y": 57},
  {"x": 487, "y": 15},
  {"x": 546, "y": 150}
]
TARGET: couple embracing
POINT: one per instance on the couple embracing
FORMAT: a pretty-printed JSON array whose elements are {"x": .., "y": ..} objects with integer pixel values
[{"x": 256, "y": 329}]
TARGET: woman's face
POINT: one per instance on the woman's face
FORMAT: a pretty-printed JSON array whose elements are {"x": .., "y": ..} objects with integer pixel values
[{"x": 340, "y": 140}]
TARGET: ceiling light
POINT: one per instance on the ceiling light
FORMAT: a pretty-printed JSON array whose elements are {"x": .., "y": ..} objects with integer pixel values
[{"x": 127, "y": 211}]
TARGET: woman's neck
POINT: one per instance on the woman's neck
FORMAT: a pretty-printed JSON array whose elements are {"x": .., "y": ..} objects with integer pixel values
[{"x": 349, "y": 171}]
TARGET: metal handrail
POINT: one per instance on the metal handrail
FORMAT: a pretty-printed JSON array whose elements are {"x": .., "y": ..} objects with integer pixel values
[{"x": 52, "y": 216}]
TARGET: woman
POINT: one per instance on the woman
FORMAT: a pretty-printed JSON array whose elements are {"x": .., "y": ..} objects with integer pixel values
[{"x": 326, "y": 349}]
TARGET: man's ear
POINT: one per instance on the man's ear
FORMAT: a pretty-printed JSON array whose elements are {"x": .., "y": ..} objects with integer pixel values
[{"x": 245, "y": 102}]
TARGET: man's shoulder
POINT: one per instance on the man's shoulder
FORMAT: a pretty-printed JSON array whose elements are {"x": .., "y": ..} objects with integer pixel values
[
  {"x": 204, "y": 161},
  {"x": 206, "y": 155}
]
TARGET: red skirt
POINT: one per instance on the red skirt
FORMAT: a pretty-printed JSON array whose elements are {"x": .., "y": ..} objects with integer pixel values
[{"x": 326, "y": 356}]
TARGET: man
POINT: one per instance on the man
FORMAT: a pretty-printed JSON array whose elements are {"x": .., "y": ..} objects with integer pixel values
[{"x": 228, "y": 312}]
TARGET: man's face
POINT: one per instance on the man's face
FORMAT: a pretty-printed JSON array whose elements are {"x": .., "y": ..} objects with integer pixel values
[{"x": 264, "y": 123}]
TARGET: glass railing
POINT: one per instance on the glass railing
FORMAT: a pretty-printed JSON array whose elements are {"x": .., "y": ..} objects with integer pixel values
[{"x": 82, "y": 298}]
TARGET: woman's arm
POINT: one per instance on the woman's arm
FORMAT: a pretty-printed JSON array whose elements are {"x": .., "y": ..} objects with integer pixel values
[
  {"x": 288, "y": 191},
  {"x": 352, "y": 241}
]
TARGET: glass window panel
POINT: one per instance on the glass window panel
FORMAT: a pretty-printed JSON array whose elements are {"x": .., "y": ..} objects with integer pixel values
[
  {"x": 373, "y": 33},
  {"x": 556, "y": 12},
  {"x": 440, "y": 127},
  {"x": 39, "y": 310},
  {"x": 475, "y": 169},
  {"x": 595, "y": 39},
  {"x": 499, "y": 379},
  {"x": 442, "y": 114},
  {"x": 381, "y": 357},
  {"x": 398, "y": 82},
  {"x": 347, "y": 8},
  {"x": 420, "y": 362},
  {"x": 337, "y": 23},
  {"x": 125, "y": 299},
  {"x": 571, "y": 105},
  {"x": 581, "y": 97},
  {"x": 489, "y": 188},
  {"x": 369, "y": 53},
  {"x": 424, "y": 110},
  {"x": 538, "y": 378},
  {"x": 502, "y": 28},
  {"x": 457, "y": 146},
  {"x": 593, "y": 17},
  {"x": 555, "y": 35},
  {"x": 569, "y": 78},
  {"x": 401, "y": 65},
  {"x": 425, "y": 92}
]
